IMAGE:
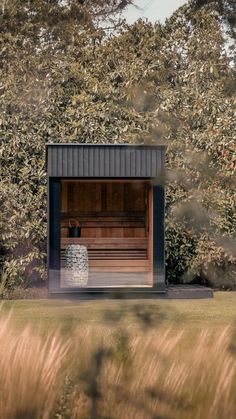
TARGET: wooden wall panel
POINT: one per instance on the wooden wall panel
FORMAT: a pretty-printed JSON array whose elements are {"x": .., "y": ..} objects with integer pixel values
[
  {"x": 121, "y": 201},
  {"x": 114, "y": 197},
  {"x": 79, "y": 198},
  {"x": 64, "y": 196},
  {"x": 103, "y": 187},
  {"x": 70, "y": 192},
  {"x": 134, "y": 196},
  {"x": 139, "y": 232},
  {"x": 98, "y": 205},
  {"x": 114, "y": 202},
  {"x": 89, "y": 197}
]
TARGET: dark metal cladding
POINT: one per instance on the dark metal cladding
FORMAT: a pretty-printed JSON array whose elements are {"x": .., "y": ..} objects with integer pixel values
[
  {"x": 54, "y": 234},
  {"x": 105, "y": 160},
  {"x": 159, "y": 236}
]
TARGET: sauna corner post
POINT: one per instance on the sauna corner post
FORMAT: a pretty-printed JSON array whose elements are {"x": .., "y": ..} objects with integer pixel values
[
  {"x": 158, "y": 237},
  {"x": 54, "y": 236}
]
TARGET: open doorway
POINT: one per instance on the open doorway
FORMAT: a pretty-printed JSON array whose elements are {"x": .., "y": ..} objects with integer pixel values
[{"x": 112, "y": 227}]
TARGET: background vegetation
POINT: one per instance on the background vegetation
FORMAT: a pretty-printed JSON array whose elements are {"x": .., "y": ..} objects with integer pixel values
[{"x": 65, "y": 78}]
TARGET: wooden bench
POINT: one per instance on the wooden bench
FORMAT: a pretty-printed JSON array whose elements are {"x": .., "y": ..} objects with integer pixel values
[{"x": 112, "y": 254}]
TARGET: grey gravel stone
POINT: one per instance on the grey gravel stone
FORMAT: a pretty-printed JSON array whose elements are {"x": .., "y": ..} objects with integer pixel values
[{"x": 76, "y": 266}]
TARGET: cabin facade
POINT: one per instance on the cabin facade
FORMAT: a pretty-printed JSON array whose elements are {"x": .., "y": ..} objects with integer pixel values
[{"x": 105, "y": 218}]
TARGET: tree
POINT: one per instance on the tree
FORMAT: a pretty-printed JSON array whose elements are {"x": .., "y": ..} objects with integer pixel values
[
  {"x": 46, "y": 47},
  {"x": 225, "y": 8},
  {"x": 201, "y": 155},
  {"x": 146, "y": 83}
]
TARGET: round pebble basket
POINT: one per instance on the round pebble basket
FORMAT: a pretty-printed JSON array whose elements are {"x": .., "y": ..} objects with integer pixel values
[{"x": 76, "y": 266}]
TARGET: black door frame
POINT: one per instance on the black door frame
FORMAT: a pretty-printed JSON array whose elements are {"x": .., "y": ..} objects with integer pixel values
[{"x": 54, "y": 243}]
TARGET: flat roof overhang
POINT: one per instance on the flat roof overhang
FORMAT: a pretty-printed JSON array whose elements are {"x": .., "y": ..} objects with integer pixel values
[{"x": 105, "y": 160}]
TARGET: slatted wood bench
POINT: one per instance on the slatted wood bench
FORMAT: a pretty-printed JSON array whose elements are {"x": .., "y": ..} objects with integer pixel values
[{"x": 121, "y": 254}]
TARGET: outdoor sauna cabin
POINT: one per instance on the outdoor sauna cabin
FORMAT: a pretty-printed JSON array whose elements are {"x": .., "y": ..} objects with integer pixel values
[{"x": 105, "y": 218}]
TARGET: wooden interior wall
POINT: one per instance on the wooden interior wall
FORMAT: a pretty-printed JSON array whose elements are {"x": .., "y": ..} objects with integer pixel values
[{"x": 105, "y": 209}]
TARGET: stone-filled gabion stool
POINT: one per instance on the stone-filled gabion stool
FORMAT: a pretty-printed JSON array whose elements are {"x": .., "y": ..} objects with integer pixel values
[{"x": 76, "y": 265}]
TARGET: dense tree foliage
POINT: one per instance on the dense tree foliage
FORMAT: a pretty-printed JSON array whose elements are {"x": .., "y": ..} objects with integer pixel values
[
  {"x": 63, "y": 79},
  {"x": 226, "y": 9}
]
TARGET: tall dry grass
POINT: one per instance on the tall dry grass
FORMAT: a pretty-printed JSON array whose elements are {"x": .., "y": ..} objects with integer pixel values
[
  {"x": 158, "y": 374},
  {"x": 117, "y": 372},
  {"x": 29, "y": 372}
]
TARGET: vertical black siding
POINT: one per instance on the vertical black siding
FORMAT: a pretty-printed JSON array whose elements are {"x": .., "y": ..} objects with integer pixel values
[
  {"x": 76, "y": 160},
  {"x": 54, "y": 236},
  {"x": 158, "y": 237}
]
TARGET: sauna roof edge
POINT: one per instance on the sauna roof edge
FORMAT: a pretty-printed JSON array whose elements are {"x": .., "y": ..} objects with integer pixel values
[{"x": 107, "y": 144}]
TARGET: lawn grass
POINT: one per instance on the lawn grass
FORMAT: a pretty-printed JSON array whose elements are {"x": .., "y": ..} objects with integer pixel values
[{"x": 48, "y": 315}]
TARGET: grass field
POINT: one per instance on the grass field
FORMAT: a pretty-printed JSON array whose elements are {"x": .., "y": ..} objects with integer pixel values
[
  {"x": 48, "y": 315},
  {"x": 129, "y": 359}
]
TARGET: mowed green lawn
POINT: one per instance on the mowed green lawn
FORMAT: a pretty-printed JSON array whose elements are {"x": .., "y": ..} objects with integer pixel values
[{"x": 65, "y": 315}]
